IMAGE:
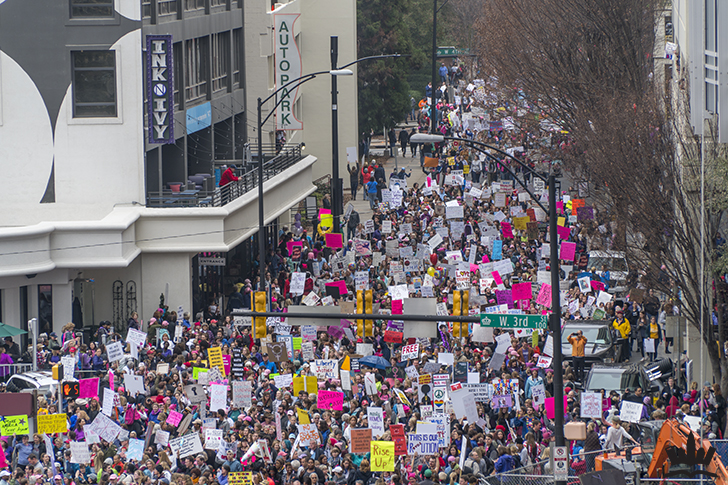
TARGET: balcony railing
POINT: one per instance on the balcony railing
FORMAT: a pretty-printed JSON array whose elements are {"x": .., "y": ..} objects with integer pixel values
[{"x": 220, "y": 196}]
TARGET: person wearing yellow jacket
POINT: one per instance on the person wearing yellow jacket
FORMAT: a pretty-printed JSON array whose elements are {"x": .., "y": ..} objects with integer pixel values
[{"x": 622, "y": 325}]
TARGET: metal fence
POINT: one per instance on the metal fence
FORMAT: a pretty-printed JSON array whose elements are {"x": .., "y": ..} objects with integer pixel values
[{"x": 219, "y": 196}]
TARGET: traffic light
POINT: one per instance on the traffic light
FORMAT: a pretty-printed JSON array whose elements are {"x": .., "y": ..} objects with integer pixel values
[
  {"x": 368, "y": 307},
  {"x": 259, "y": 322},
  {"x": 465, "y": 311},
  {"x": 57, "y": 372},
  {"x": 360, "y": 309},
  {"x": 456, "y": 312}
]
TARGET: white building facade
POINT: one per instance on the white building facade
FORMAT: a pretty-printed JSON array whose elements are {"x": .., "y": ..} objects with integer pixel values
[{"x": 98, "y": 217}]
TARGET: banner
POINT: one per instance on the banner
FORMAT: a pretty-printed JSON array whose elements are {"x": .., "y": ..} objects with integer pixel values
[
  {"x": 287, "y": 68},
  {"x": 160, "y": 89}
]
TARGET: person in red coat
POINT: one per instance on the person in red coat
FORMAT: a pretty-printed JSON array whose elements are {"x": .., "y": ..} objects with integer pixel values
[{"x": 228, "y": 176}]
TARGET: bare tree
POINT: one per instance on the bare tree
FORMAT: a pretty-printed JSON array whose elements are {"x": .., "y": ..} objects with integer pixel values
[{"x": 589, "y": 63}]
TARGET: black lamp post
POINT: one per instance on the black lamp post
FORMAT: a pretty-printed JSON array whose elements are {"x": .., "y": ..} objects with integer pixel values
[
  {"x": 261, "y": 213},
  {"x": 554, "y": 260}
]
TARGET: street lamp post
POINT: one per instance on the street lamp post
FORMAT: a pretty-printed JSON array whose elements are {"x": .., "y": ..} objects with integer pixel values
[
  {"x": 261, "y": 212},
  {"x": 554, "y": 260},
  {"x": 337, "y": 196}
]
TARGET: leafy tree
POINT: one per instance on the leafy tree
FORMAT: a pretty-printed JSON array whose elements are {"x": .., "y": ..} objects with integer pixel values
[{"x": 384, "y": 97}]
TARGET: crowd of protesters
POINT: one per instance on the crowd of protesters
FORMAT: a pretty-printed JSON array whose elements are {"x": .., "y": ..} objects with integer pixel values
[{"x": 456, "y": 234}]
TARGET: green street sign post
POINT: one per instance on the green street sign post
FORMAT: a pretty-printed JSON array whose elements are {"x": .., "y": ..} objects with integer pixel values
[
  {"x": 452, "y": 52},
  {"x": 497, "y": 320}
]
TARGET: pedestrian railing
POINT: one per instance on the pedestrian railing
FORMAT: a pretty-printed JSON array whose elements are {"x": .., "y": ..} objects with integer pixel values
[{"x": 220, "y": 196}]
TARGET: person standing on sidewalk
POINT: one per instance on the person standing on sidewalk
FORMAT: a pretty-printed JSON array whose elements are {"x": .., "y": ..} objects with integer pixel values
[
  {"x": 372, "y": 192},
  {"x": 403, "y": 139},
  {"x": 578, "y": 341},
  {"x": 353, "y": 179},
  {"x": 392, "y": 135}
]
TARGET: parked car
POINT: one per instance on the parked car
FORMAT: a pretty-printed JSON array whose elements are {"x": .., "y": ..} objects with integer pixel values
[
  {"x": 619, "y": 377},
  {"x": 600, "y": 347},
  {"x": 616, "y": 264},
  {"x": 41, "y": 381}
]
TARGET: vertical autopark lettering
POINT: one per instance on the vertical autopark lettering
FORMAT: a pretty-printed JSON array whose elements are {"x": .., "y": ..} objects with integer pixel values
[
  {"x": 287, "y": 68},
  {"x": 160, "y": 89}
]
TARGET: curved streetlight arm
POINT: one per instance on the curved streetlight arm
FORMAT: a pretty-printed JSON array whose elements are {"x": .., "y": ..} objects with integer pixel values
[
  {"x": 286, "y": 95},
  {"x": 523, "y": 165},
  {"x": 386, "y": 56},
  {"x": 427, "y": 138},
  {"x": 514, "y": 177}
]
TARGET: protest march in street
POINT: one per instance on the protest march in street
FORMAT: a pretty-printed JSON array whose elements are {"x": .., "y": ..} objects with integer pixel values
[{"x": 227, "y": 398}]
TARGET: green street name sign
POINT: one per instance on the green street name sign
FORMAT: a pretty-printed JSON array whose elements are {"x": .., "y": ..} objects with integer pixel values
[
  {"x": 539, "y": 322},
  {"x": 452, "y": 52}
]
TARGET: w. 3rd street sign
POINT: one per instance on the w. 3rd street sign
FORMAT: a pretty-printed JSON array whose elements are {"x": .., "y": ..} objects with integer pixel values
[{"x": 539, "y": 322}]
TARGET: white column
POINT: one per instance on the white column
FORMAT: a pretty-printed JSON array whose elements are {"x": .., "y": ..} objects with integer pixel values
[{"x": 165, "y": 273}]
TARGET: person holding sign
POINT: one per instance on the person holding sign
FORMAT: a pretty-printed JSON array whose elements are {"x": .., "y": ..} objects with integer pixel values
[{"x": 656, "y": 336}]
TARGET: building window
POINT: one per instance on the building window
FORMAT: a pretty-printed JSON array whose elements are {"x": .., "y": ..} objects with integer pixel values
[
  {"x": 146, "y": 9},
  {"x": 94, "y": 84},
  {"x": 217, "y": 3},
  {"x": 194, "y": 5},
  {"x": 177, "y": 52},
  {"x": 167, "y": 7},
  {"x": 196, "y": 68},
  {"x": 237, "y": 54},
  {"x": 220, "y": 60},
  {"x": 92, "y": 8}
]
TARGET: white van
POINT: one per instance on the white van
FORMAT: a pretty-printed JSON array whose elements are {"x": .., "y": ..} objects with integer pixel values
[{"x": 616, "y": 264}]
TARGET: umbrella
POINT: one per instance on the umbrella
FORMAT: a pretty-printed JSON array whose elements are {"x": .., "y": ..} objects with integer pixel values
[
  {"x": 374, "y": 361},
  {"x": 10, "y": 331}
]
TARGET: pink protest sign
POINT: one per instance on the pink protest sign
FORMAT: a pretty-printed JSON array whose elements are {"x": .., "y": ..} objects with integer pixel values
[
  {"x": 522, "y": 291},
  {"x": 544, "y": 295},
  {"x": 497, "y": 278},
  {"x": 597, "y": 285},
  {"x": 507, "y": 230},
  {"x": 559, "y": 206},
  {"x": 486, "y": 259},
  {"x": 397, "y": 307},
  {"x": 88, "y": 388},
  {"x": 331, "y": 400},
  {"x": 226, "y": 362},
  {"x": 334, "y": 240},
  {"x": 564, "y": 232},
  {"x": 549, "y": 405},
  {"x": 111, "y": 380},
  {"x": 174, "y": 418},
  {"x": 324, "y": 211},
  {"x": 341, "y": 285},
  {"x": 568, "y": 250},
  {"x": 473, "y": 268},
  {"x": 504, "y": 297},
  {"x": 291, "y": 244}
]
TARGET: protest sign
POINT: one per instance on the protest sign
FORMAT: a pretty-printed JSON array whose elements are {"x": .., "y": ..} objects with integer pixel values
[
  {"x": 186, "y": 445},
  {"x": 360, "y": 439},
  {"x": 422, "y": 444},
  {"x": 52, "y": 423},
  {"x": 375, "y": 417},
  {"x": 331, "y": 400},
  {"x": 591, "y": 405},
  {"x": 12, "y": 425},
  {"x": 382, "y": 456},
  {"x": 79, "y": 452}
]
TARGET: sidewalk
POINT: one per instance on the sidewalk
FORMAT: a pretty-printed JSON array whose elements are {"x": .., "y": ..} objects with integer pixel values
[{"x": 361, "y": 204}]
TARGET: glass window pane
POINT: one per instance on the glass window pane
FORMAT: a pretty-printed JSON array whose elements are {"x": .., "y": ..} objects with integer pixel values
[
  {"x": 95, "y": 111},
  {"x": 95, "y": 87},
  {"x": 93, "y": 59}
]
